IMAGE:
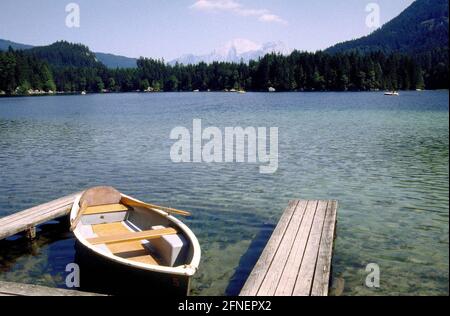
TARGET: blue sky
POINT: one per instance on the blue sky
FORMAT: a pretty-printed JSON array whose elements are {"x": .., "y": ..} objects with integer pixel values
[{"x": 171, "y": 28}]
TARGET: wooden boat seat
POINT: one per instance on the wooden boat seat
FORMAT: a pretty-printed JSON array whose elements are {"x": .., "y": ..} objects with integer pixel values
[
  {"x": 102, "y": 209},
  {"x": 130, "y": 250},
  {"x": 132, "y": 236}
]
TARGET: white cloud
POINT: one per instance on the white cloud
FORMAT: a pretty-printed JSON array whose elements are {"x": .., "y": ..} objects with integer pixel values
[
  {"x": 235, "y": 7},
  {"x": 205, "y": 5},
  {"x": 271, "y": 18}
]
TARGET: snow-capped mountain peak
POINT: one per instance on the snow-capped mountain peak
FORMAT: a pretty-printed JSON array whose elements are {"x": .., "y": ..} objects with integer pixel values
[
  {"x": 236, "y": 51},
  {"x": 239, "y": 46}
]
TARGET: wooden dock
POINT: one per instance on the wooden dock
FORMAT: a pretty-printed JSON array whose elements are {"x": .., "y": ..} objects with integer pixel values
[
  {"x": 26, "y": 221},
  {"x": 295, "y": 262},
  {"x": 18, "y": 289},
  {"x": 297, "y": 258}
]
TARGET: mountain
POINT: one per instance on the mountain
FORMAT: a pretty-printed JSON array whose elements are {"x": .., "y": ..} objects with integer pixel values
[
  {"x": 421, "y": 28},
  {"x": 235, "y": 51},
  {"x": 65, "y": 54},
  {"x": 115, "y": 61},
  {"x": 109, "y": 60},
  {"x": 414, "y": 55},
  {"x": 421, "y": 32},
  {"x": 5, "y": 44}
]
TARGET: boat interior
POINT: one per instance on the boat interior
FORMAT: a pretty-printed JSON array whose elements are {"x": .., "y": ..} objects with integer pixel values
[{"x": 136, "y": 234}]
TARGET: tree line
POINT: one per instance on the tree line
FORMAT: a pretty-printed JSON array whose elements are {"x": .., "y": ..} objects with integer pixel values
[
  {"x": 300, "y": 71},
  {"x": 20, "y": 72}
]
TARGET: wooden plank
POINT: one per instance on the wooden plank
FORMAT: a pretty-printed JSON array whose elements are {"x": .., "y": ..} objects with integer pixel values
[
  {"x": 17, "y": 289},
  {"x": 27, "y": 223},
  {"x": 131, "y": 250},
  {"x": 305, "y": 276},
  {"x": 109, "y": 229},
  {"x": 297, "y": 259},
  {"x": 323, "y": 269},
  {"x": 102, "y": 209},
  {"x": 272, "y": 279},
  {"x": 141, "y": 255},
  {"x": 293, "y": 264},
  {"x": 39, "y": 210},
  {"x": 27, "y": 219},
  {"x": 258, "y": 273},
  {"x": 145, "y": 235},
  {"x": 33, "y": 211}
]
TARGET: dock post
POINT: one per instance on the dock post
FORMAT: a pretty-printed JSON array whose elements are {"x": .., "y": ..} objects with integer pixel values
[{"x": 31, "y": 233}]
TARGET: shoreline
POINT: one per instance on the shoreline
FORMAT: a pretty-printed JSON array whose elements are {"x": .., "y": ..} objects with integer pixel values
[{"x": 193, "y": 92}]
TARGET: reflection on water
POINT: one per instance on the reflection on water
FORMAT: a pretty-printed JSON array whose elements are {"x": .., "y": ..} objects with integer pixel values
[
  {"x": 42, "y": 261},
  {"x": 384, "y": 159}
]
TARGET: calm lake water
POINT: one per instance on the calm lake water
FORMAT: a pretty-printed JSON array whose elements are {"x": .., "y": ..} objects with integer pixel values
[{"x": 386, "y": 159}]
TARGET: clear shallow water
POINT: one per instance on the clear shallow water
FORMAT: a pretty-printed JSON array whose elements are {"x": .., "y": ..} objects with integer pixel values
[{"x": 385, "y": 159}]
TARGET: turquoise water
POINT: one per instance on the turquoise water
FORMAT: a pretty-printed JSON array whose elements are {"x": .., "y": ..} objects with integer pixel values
[{"x": 385, "y": 159}]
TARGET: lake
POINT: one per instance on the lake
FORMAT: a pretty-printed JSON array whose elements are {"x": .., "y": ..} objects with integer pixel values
[{"x": 386, "y": 159}]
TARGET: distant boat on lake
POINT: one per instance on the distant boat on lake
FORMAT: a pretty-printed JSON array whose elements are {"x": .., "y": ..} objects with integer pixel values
[
  {"x": 391, "y": 93},
  {"x": 83, "y": 92}
]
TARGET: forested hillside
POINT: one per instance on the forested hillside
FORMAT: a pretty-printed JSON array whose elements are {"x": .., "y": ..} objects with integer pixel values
[
  {"x": 299, "y": 71},
  {"x": 421, "y": 31},
  {"x": 64, "y": 54},
  {"x": 20, "y": 72},
  {"x": 409, "y": 52},
  {"x": 421, "y": 28},
  {"x": 5, "y": 45}
]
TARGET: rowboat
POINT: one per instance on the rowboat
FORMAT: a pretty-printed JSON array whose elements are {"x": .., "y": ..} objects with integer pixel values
[{"x": 126, "y": 246}]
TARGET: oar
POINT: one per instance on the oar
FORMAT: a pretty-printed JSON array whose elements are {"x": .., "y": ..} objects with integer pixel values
[
  {"x": 130, "y": 202},
  {"x": 77, "y": 219}
]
